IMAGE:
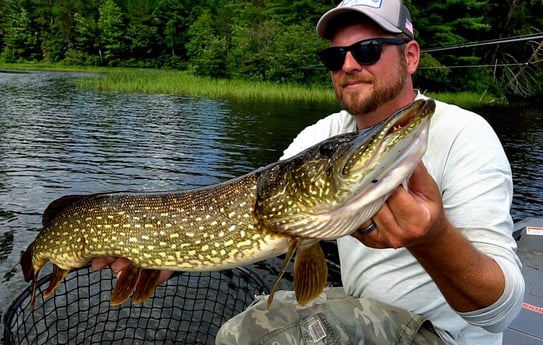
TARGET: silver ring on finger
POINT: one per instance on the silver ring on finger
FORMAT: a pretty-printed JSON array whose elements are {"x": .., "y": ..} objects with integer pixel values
[{"x": 369, "y": 229}]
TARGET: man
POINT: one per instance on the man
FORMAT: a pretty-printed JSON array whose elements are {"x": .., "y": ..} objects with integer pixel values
[{"x": 441, "y": 248}]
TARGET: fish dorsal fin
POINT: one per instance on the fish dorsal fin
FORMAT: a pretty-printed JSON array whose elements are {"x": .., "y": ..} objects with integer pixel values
[
  {"x": 146, "y": 285},
  {"x": 126, "y": 282},
  {"x": 310, "y": 273},
  {"x": 293, "y": 245},
  {"x": 56, "y": 206}
]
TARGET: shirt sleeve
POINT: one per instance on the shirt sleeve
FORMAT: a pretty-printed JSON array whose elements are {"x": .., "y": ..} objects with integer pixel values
[{"x": 497, "y": 317}]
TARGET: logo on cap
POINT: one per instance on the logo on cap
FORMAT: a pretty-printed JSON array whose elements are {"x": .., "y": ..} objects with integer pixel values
[{"x": 369, "y": 3}]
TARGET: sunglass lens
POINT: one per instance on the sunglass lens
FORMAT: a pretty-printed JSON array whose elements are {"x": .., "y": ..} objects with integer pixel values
[
  {"x": 333, "y": 58},
  {"x": 366, "y": 53}
]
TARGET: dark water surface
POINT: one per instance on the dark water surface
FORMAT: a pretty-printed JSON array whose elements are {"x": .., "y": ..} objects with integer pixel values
[{"x": 57, "y": 140}]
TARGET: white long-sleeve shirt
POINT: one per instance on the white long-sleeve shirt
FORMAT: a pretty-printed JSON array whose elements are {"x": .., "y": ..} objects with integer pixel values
[{"x": 467, "y": 161}]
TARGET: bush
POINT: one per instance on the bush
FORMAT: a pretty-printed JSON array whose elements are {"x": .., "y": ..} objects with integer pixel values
[{"x": 76, "y": 57}]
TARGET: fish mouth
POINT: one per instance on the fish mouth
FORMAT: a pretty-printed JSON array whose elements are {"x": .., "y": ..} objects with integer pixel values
[{"x": 402, "y": 128}]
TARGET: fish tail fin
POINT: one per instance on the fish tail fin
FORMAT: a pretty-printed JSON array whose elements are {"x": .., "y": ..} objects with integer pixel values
[
  {"x": 293, "y": 246},
  {"x": 56, "y": 278},
  {"x": 146, "y": 285},
  {"x": 126, "y": 282},
  {"x": 26, "y": 263},
  {"x": 29, "y": 272},
  {"x": 310, "y": 273}
]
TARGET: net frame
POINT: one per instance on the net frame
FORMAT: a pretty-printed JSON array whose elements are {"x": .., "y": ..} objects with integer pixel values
[{"x": 189, "y": 308}]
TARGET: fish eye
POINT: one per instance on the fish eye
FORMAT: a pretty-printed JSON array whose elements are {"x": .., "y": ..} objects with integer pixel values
[{"x": 327, "y": 149}]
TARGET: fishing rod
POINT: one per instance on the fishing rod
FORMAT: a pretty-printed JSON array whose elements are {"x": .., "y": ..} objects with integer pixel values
[{"x": 513, "y": 39}]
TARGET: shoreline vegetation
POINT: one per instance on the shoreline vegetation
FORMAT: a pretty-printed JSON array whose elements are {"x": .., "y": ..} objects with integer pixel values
[{"x": 175, "y": 82}]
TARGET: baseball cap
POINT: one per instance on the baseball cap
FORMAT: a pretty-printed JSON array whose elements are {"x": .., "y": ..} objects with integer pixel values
[{"x": 391, "y": 15}]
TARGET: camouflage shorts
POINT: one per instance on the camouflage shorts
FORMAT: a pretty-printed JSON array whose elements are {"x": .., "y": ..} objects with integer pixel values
[{"x": 333, "y": 318}]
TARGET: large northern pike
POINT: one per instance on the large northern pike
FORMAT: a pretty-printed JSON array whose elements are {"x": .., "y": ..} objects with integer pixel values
[{"x": 323, "y": 193}]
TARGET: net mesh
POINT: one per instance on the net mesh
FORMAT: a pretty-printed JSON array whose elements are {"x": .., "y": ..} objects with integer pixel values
[{"x": 189, "y": 308}]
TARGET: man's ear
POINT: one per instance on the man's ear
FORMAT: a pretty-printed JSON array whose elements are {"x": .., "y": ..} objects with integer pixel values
[{"x": 412, "y": 56}]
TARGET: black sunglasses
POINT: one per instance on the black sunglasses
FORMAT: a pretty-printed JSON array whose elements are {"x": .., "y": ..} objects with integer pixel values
[{"x": 366, "y": 52}]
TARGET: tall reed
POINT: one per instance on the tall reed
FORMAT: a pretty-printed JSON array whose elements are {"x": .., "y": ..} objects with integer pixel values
[{"x": 184, "y": 83}]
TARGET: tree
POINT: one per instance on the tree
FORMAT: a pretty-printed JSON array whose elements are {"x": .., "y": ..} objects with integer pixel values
[
  {"x": 518, "y": 70},
  {"x": 112, "y": 33},
  {"x": 294, "y": 57},
  {"x": 20, "y": 40},
  {"x": 449, "y": 23},
  {"x": 205, "y": 50},
  {"x": 85, "y": 49},
  {"x": 272, "y": 40}
]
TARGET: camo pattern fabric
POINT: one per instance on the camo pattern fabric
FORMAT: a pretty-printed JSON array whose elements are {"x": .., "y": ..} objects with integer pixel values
[{"x": 334, "y": 318}]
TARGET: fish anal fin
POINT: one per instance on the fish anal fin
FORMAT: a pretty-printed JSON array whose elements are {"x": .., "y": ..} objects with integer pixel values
[
  {"x": 310, "y": 273},
  {"x": 126, "y": 282},
  {"x": 56, "y": 206},
  {"x": 293, "y": 246},
  {"x": 57, "y": 277},
  {"x": 145, "y": 287}
]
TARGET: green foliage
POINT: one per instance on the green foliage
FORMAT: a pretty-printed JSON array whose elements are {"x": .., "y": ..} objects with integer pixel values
[
  {"x": 252, "y": 51},
  {"x": 86, "y": 35},
  {"x": 272, "y": 40},
  {"x": 206, "y": 51},
  {"x": 111, "y": 28},
  {"x": 432, "y": 75},
  {"x": 20, "y": 40},
  {"x": 76, "y": 57},
  {"x": 294, "y": 57}
]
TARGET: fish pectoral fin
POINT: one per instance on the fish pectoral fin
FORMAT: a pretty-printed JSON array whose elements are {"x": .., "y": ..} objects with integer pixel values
[
  {"x": 126, "y": 282},
  {"x": 56, "y": 278},
  {"x": 310, "y": 273},
  {"x": 146, "y": 285},
  {"x": 293, "y": 246}
]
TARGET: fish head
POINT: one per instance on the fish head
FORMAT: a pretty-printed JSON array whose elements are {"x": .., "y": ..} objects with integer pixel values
[{"x": 328, "y": 190}]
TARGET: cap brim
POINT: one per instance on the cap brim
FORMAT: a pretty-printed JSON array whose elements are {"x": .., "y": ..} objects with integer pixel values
[{"x": 323, "y": 26}]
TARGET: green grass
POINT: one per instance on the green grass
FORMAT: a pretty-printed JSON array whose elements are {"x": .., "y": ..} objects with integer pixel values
[
  {"x": 184, "y": 83},
  {"x": 467, "y": 99},
  {"x": 157, "y": 81}
]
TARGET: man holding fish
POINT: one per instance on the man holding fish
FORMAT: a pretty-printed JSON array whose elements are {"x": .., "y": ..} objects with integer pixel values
[
  {"x": 437, "y": 262},
  {"x": 441, "y": 246}
]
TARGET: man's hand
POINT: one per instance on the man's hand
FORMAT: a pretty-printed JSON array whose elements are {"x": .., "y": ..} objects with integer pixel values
[
  {"x": 410, "y": 216},
  {"x": 415, "y": 219}
]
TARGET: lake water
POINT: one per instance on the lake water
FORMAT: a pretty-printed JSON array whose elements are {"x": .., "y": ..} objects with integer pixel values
[{"x": 57, "y": 140}]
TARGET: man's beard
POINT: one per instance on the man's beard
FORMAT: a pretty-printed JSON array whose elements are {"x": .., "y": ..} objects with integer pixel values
[{"x": 359, "y": 104}]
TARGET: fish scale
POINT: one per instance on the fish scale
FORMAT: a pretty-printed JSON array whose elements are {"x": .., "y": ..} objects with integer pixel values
[
  {"x": 325, "y": 192},
  {"x": 163, "y": 231}
]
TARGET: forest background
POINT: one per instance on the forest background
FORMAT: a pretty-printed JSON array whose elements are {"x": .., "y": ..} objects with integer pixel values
[{"x": 468, "y": 45}]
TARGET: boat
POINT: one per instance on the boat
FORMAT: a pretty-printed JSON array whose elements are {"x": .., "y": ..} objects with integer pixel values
[{"x": 527, "y": 328}]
